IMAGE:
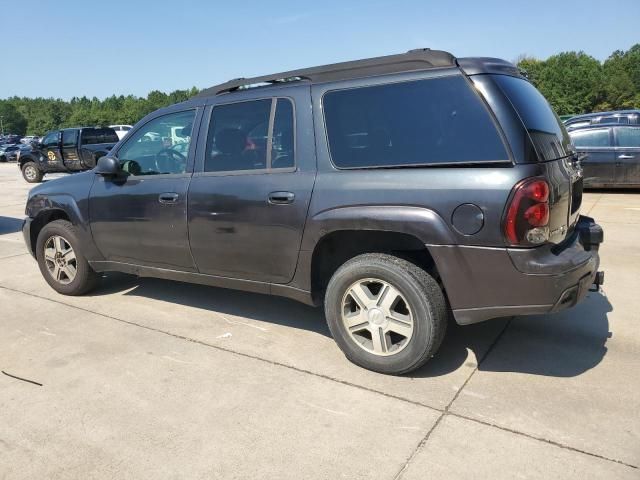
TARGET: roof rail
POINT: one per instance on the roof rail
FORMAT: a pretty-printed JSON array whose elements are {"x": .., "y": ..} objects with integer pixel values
[{"x": 419, "y": 59}]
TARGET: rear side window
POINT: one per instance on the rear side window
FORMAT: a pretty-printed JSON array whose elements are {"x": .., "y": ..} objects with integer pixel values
[
  {"x": 69, "y": 138},
  {"x": 94, "y": 136},
  {"x": 435, "y": 121},
  {"x": 546, "y": 130},
  {"x": 239, "y": 136},
  {"x": 628, "y": 137},
  {"x": 591, "y": 138}
]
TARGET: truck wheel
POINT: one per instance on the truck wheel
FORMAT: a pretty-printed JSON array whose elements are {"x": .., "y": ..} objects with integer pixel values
[
  {"x": 32, "y": 173},
  {"x": 61, "y": 261},
  {"x": 385, "y": 313}
]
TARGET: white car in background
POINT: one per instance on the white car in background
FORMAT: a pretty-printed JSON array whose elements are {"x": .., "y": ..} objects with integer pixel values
[{"x": 121, "y": 130}]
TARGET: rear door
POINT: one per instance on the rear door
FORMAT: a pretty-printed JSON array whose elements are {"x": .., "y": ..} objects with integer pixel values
[
  {"x": 627, "y": 152},
  {"x": 70, "y": 155},
  {"x": 598, "y": 159},
  {"x": 249, "y": 196}
]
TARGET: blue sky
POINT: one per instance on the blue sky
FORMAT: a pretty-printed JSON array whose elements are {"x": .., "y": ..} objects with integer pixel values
[{"x": 72, "y": 48}]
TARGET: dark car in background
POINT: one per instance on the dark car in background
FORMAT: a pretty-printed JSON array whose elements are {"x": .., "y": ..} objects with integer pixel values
[
  {"x": 6, "y": 149},
  {"x": 11, "y": 152},
  {"x": 396, "y": 191},
  {"x": 609, "y": 155},
  {"x": 68, "y": 150},
  {"x": 619, "y": 117}
]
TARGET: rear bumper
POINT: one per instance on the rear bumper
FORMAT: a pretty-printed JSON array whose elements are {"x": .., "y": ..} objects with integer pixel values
[{"x": 483, "y": 282}]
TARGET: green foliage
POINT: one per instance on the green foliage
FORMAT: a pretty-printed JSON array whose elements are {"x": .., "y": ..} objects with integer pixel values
[
  {"x": 11, "y": 119},
  {"x": 35, "y": 116},
  {"x": 575, "y": 82}
]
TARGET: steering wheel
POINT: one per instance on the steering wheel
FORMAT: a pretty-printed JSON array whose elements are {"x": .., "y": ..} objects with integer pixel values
[{"x": 168, "y": 159}]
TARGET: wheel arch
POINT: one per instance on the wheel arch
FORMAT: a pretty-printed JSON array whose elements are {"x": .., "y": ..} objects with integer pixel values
[
  {"x": 338, "y": 246},
  {"x": 43, "y": 218}
]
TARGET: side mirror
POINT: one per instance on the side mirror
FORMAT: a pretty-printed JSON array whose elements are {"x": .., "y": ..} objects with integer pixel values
[{"x": 107, "y": 166}]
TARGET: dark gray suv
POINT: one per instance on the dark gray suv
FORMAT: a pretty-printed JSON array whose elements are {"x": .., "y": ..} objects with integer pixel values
[{"x": 394, "y": 191}]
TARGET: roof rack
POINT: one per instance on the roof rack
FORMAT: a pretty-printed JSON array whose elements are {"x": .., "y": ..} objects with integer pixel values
[{"x": 419, "y": 59}]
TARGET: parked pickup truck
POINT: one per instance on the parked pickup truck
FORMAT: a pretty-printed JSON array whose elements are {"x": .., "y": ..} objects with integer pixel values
[{"x": 67, "y": 150}]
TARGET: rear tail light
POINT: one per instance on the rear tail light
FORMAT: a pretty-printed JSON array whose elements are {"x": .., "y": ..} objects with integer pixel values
[{"x": 527, "y": 218}]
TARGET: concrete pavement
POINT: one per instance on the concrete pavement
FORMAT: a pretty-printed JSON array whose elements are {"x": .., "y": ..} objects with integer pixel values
[{"x": 151, "y": 378}]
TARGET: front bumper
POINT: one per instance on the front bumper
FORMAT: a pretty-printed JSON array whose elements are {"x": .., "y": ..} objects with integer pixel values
[
  {"x": 484, "y": 282},
  {"x": 26, "y": 233}
]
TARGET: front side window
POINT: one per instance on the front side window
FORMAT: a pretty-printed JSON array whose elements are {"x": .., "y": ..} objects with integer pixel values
[
  {"x": 238, "y": 138},
  {"x": 628, "y": 137},
  {"x": 159, "y": 147},
  {"x": 69, "y": 138},
  {"x": 432, "y": 121},
  {"x": 51, "y": 139},
  {"x": 591, "y": 138}
]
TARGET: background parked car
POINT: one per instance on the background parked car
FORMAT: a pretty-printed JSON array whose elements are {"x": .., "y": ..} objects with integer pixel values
[
  {"x": 121, "y": 130},
  {"x": 610, "y": 155},
  {"x": 30, "y": 139},
  {"x": 6, "y": 150},
  {"x": 620, "y": 117}
]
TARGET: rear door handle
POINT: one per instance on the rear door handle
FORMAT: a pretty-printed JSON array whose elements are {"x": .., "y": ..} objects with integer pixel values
[
  {"x": 623, "y": 156},
  {"x": 281, "y": 198},
  {"x": 168, "y": 197}
]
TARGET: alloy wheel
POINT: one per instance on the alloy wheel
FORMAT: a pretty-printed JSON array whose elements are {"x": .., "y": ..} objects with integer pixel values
[
  {"x": 377, "y": 317},
  {"x": 60, "y": 259}
]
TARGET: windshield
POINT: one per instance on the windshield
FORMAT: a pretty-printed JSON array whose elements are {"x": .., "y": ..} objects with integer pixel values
[{"x": 545, "y": 128}]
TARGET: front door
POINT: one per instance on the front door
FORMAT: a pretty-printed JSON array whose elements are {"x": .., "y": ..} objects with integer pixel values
[
  {"x": 598, "y": 157},
  {"x": 140, "y": 216},
  {"x": 52, "y": 156},
  {"x": 627, "y": 155},
  {"x": 250, "y": 194}
]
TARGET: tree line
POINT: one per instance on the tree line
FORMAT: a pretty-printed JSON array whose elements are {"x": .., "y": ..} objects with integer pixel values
[
  {"x": 573, "y": 82},
  {"x": 35, "y": 116}
]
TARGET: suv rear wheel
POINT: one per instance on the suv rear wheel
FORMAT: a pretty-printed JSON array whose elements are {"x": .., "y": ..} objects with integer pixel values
[
  {"x": 61, "y": 262},
  {"x": 385, "y": 313},
  {"x": 31, "y": 173}
]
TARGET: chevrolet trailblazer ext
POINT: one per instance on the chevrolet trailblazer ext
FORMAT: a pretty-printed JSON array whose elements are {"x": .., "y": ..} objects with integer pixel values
[{"x": 393, "y": 190}]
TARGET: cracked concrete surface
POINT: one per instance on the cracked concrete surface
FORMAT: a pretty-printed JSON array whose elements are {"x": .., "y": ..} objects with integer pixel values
[{"x": 150, "y": 378}]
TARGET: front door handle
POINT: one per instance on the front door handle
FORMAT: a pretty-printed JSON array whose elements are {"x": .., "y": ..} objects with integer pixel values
[
  {"x": 623, "y": 156},
  {"x": 168, "y": 198},
  {"x": 281, "y": 198}
]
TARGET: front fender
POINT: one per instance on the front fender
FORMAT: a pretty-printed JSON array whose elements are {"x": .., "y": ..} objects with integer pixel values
[
  {"x": 65, "y": 197},
  {"x": 422, "y": 223}
]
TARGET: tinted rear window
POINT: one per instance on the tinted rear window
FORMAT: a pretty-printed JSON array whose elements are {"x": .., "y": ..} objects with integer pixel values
[
  {"x": 628, "y": 136},
  {"x": 92, "y": 136},
  {"x": 433, "y": 121},
  {"x": 546, "y": 130},
  {"x": 591, "y": 138}
]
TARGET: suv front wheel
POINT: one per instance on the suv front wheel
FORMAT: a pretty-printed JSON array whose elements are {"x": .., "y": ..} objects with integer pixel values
[
  {"x": 385, "y": 313},
  {"x": 61, "y": 261}
]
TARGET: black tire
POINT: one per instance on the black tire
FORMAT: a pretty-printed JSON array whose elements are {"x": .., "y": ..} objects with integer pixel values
[
  {"x": 423, "y": 295},
  {"x": 31, "y": 173},
  {"x": 85, "y": 277}
]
